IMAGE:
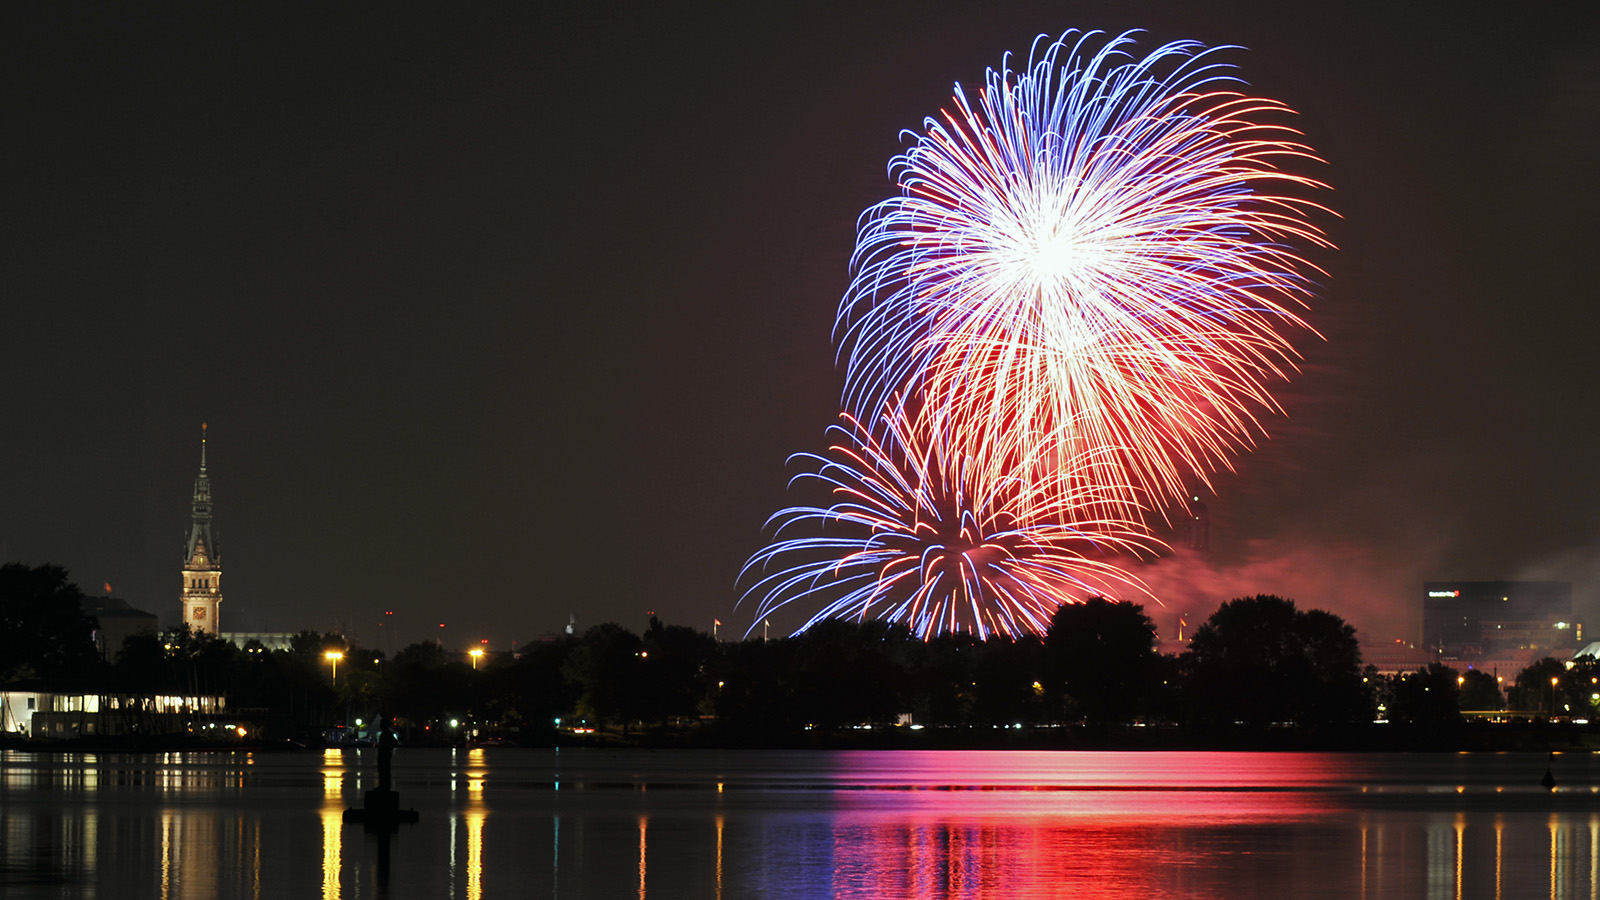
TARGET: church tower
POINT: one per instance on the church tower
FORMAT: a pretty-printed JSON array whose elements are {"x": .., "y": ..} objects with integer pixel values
[{"x": 202, "y": 564}]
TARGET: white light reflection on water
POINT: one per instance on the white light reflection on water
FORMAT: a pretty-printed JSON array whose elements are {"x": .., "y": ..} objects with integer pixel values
[
  {"x": 1441, "y": 874},
  {"x": 1555, "y": 856},
  {"x": 555, "y": 857},
  {"x": 1594, "y": 856},
  {"x": 166, "y": 855}
]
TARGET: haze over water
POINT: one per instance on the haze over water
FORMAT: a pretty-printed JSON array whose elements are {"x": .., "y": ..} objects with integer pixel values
[{"x": 581, "y": 824}]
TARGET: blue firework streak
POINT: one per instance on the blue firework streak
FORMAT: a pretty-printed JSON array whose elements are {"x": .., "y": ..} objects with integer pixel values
[{"x": 914, "y": 537}]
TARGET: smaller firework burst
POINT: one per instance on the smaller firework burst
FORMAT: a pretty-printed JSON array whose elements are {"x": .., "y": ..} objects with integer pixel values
[{"x": 917, "y": 534}]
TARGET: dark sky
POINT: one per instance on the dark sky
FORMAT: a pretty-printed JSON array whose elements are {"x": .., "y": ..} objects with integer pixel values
[{"x": 500, "y": 316}]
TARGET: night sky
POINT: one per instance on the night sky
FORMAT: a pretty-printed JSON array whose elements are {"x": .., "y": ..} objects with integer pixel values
[{"x": 498, "y": 317}]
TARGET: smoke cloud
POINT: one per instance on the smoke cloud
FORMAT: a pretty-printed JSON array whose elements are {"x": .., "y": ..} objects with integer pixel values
[{"x": 1375, "y": 587}]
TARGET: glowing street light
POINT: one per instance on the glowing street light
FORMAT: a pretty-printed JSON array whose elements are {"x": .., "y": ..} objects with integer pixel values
[
  {"x": 476, "y": 653},
  {"x": 333, "y": 656}
]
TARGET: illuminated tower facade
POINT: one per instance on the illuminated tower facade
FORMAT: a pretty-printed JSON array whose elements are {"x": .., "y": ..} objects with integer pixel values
[{"x": 202, "y": 564}]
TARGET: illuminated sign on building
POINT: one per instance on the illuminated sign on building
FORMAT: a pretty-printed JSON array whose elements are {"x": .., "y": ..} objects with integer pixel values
[{"x": 1476, "y": 620}]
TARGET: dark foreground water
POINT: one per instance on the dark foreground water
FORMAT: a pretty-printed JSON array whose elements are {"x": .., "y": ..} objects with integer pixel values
[{"x": 668, "y": 824}]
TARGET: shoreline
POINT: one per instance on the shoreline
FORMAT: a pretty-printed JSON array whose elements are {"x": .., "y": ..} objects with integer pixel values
[{"x": 1471, "y": 737}]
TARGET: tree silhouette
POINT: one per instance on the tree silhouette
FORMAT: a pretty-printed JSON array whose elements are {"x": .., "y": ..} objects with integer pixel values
[
  {"x": 1102, "y": 654},
  {"x": 943, "y": 684},
  {"x": 1429, "y": 696},
  {"x": 44, "y": 632},
  {"x": 1480, "y": 691},
  {"x": 1534, "y": 690},
  {"x": 607, "y": 664},
  {"x": 1259, "y": 660},
  {"x": 674, "y": 669},
  {"x": 848, "y": 673}
]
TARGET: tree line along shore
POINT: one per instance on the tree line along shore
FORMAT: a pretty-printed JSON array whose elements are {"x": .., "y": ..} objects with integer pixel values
[{"x": 1260, "y": 673}]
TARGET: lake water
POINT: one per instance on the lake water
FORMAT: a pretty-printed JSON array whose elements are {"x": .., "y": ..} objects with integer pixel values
[{"x": 579, "y": 824}]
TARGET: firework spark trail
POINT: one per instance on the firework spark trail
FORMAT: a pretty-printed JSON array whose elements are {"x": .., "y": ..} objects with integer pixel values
[
  {"x": 1088, "y": 264},
  {"x": 913, "y": 538}
]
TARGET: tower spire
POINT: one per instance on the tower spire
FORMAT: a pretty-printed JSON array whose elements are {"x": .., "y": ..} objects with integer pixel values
[
  {"x": 202, "y": 503},
  {"x": 202, "y": 564}
]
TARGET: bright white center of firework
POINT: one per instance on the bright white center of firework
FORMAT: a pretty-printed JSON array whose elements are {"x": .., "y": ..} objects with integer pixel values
[{"x": 1059, "y": 255}]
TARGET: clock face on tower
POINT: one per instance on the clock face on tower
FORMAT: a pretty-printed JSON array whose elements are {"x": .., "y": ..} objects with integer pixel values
[{"x": 199, "y": 613}]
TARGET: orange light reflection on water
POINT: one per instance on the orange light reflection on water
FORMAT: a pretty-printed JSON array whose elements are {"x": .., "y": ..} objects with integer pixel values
[
  {"x": 332, "y": 851},
  {"x": 332, "y": 815},
  {"x": 474, "y": 819}
]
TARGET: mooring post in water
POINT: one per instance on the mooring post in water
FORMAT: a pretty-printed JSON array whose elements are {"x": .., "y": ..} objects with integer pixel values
[
  {"x": 386, "y": 744},
  {"x": 1549, "y": 779},
  {"x": 380, "y": 807}
]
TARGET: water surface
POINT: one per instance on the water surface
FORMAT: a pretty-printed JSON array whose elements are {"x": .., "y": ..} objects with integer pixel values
[{"x": 872, "y": 824}]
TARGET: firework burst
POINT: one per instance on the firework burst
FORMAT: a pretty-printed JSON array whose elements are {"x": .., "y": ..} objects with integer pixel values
[
  {"x": 1089, "y": 271},
  {"x": 915, "y": 536},
  {"x": 1074, "y": 307}
]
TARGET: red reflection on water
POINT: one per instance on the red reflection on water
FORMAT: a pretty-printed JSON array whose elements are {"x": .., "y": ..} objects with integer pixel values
[
  {"x": 1041, "y": 857},
  {"x": 1047, "y": 770},
  {"x": 1092, "y": 825}
]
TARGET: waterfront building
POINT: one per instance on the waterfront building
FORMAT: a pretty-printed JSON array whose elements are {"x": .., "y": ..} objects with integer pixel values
[{"x": 40, "y": 712}]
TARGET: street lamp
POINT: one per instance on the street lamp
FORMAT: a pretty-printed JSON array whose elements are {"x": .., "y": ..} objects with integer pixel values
[
  {"x": 1553, "y": 682},
  {"x": 333, "y": 656},
  {"x": 476, "y": 653}
]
